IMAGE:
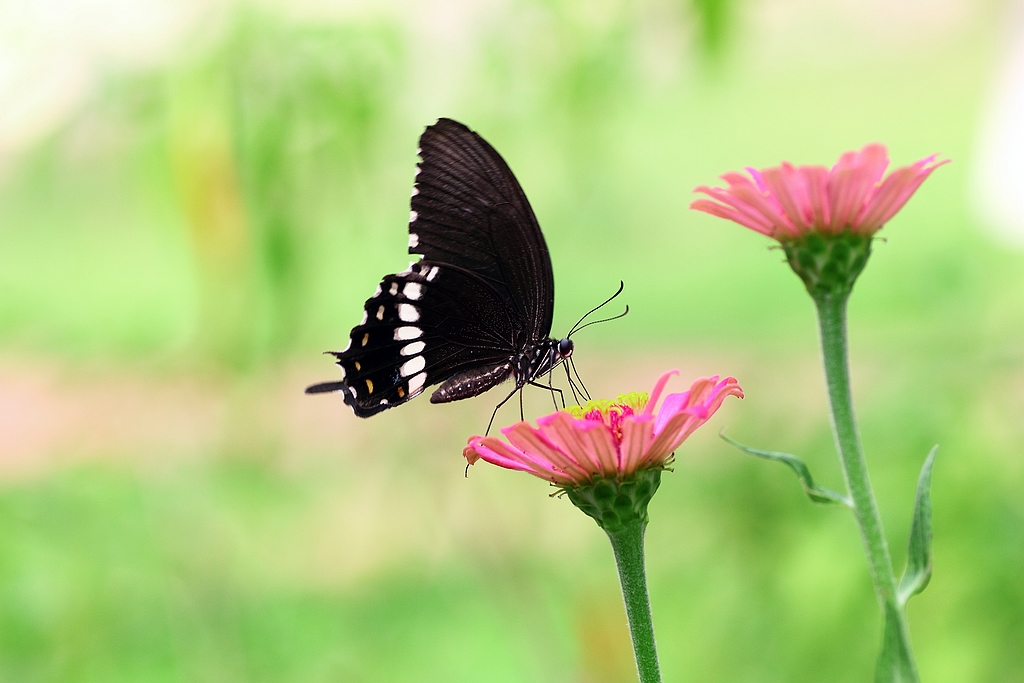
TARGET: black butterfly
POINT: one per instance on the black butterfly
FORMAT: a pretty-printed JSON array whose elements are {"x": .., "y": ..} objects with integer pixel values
[{"x": 477, "y": 308}]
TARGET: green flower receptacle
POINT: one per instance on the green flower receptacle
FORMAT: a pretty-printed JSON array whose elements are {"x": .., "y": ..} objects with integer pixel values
[
  {"x": 617, "y": 504},
  {"x": 828, "y": 264}
]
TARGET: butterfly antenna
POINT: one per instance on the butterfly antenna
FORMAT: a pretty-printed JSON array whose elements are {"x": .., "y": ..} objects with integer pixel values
[
  {"x": 603, "y": 320},
  {"x": 579, "y": 379},
  {"x": 576, "y": 327}
]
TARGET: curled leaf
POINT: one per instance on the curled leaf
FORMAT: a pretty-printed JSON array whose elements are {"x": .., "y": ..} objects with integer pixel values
[
  {"x": 813, "y": 491},
  {"x": 919, "y": 553}
]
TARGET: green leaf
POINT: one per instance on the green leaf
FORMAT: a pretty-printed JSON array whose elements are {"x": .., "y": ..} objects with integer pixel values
[
  {"x": 814, "y": 492},
  {"x": 919, "y": 554}
]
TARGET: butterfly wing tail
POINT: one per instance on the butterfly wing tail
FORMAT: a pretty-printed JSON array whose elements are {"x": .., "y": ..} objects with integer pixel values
[{"x": 326, "y": 388}]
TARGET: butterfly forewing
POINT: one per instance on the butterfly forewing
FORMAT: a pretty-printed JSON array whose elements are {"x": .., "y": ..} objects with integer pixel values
[
  {"x": 482, "y": 295},
  {"x": 469, "y": 210}
]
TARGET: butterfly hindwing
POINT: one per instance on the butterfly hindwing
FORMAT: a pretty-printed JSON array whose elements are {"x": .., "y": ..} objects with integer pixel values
[{"x": 419, "y": 329}]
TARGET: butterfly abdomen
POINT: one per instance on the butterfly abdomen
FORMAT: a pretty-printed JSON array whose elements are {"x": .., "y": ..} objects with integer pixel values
[{"x": 472, "y": 382}]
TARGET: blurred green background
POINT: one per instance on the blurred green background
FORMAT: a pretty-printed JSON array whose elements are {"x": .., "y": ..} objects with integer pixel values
[{"x": 196, "y": 198}]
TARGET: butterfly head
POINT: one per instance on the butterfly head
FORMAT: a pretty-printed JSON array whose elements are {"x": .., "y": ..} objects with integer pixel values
[{"x": 565, "y": 348}]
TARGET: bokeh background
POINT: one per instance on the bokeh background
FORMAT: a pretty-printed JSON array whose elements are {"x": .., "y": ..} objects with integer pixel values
[{"x": 197, "y": 196}]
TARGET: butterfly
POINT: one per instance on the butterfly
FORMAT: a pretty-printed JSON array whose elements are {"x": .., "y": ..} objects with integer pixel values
[{"x": 476, "y": 309}]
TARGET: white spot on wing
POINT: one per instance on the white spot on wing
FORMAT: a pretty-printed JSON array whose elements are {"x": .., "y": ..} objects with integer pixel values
[
  {"x": 353, "y": 391},
  {"x": 412, "y": 216},
  {"x": 380, "y": 313},
  {"x": 365, "y": 318},
  {"x": 407, "y": 332},
  {"x": 415, "y": 191},
  {"x": 377, "y": 293},
  {"x": 408, "y": 313},
  {"x": 413, "y": 290},
  {"x": 414, "y": 240},
  {"x": 416, "y": 384},
  {"x": 413, "y": 365},
  {"x": 432, "y": 275},
  {"x": 413, "y": 348},
  {"x": 394, "y": 288}
]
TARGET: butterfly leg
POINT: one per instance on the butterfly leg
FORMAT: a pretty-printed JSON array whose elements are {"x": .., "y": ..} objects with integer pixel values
[
  {"x": 553, "y": 390},
  {"x": 503, "y": 402},
  {"x": 572, "y": 385},
  {"x": 583, "y": 387}
]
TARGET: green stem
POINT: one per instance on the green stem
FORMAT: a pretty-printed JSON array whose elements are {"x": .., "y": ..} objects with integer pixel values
[
  {"x": 832, "y": 320},
  {"x": 628, "y": 545}
]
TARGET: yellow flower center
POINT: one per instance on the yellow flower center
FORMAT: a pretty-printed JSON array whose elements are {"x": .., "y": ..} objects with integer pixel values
[{"x": 611, "y": 413}]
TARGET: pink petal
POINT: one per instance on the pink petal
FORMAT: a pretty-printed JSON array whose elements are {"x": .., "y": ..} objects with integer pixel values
[
  {"x": 758, "y": 179},
  {"x": 748, "y": 197},
  {"x": 571, "y": 452},
  {"x": 789, "y": 188},
  {"x": 758, "y": 210},
  {"x": 497, "y": 452},
  {"x": 601, "y": 444},
  {"x": 637, "y": 435},
  {"x": 672, "y": 434},
  {"x": 672, "y": 405},
  {"x": 533, "y": 443},
  {"x": 894, "y": 192},
  {"x": 701, "y": 389},
  {"x": 816, "y": 181},
  {"x": 683, "y": 413},
  {"x": 659, "y": 386},
  {"x": 757, "y": 224},
  {"x": 565, "y": 432},
  {"x": 722, "y": 390},
  {"x": 733, "y": 210},
  {"x": 786, "y": 202},
  {"x": 851, "y": 182}
]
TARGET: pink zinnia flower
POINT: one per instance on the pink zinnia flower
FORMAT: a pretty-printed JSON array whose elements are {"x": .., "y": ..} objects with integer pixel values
[
  {"x": 786, "y": 202},
  {"x": 605, "y": 439}
]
